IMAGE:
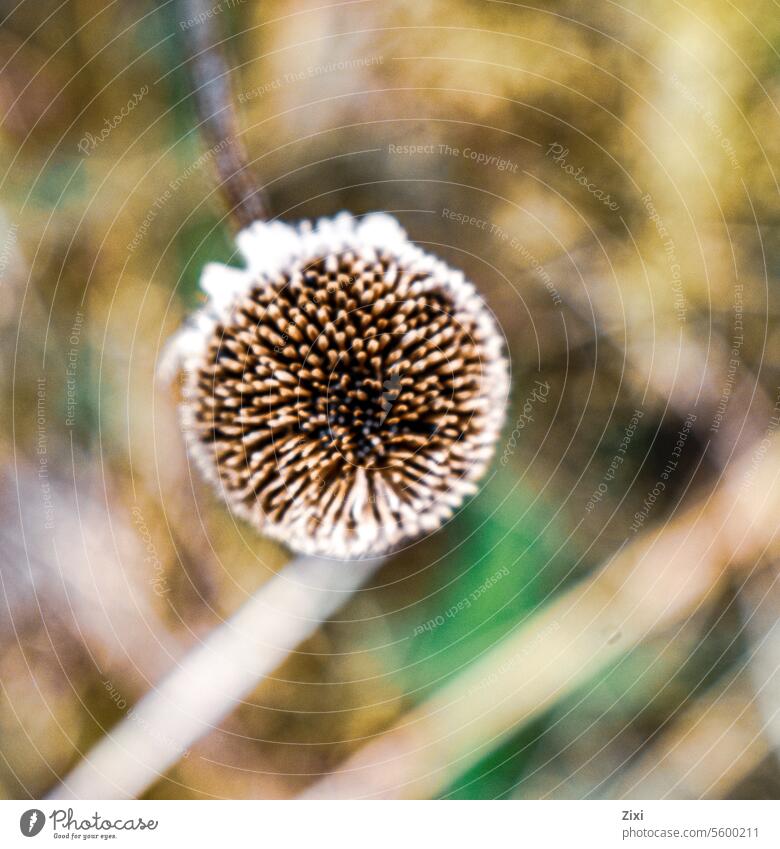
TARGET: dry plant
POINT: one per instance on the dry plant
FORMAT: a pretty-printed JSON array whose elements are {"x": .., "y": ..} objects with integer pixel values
[
  {"x": 605, "y": 173},
  {"x": 344, "y": 393}
]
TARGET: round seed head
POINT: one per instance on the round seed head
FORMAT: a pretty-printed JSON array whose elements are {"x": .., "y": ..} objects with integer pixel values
[{"x": 345, "y": 390}]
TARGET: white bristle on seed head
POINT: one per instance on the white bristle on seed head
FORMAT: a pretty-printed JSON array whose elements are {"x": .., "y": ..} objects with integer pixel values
[{"x": 344, "y": 391}]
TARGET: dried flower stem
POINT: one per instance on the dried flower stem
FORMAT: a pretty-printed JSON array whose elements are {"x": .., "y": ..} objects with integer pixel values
[
  {"x": 286, "y": 610},
  {"x": 214, "y": 677},
  {"x": 214, "y": 105}
]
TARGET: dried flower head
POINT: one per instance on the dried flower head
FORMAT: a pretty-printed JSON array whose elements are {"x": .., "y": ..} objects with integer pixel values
[{"x": 345, "y": 390}]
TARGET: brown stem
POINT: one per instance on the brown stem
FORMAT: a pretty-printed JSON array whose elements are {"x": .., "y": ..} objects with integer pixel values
[{"x": 214, "y": 104}]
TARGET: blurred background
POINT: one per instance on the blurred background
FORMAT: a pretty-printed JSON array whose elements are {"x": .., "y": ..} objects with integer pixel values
[{"x": 604, "y": 173}]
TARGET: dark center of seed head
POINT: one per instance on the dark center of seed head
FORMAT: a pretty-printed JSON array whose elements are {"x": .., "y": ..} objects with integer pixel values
[{"x": 356, "y": 418}]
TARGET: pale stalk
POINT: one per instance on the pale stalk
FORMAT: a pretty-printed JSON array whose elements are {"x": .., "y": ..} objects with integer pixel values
[{"x": 214, "y": 678}]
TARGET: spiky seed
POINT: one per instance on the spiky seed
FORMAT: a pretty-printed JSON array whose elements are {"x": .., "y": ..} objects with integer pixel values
[{"x": 345, "y": 391}]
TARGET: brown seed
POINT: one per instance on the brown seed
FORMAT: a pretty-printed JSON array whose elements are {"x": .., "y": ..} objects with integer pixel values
[{"x": 371, "y": 432}]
